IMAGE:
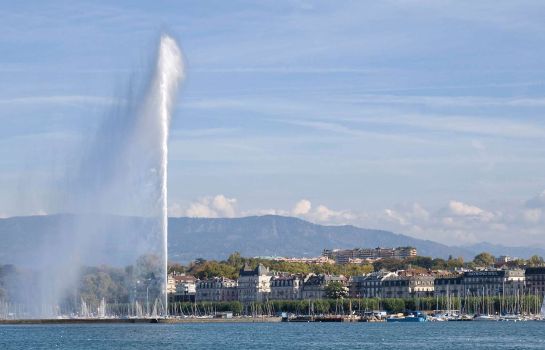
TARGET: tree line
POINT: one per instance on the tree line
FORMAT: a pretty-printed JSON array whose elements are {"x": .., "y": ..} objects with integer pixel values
[{"x": 204, "y": 269}]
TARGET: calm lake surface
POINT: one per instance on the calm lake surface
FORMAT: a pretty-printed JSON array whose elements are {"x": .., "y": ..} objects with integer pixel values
[{"x": 440, "y": 335}]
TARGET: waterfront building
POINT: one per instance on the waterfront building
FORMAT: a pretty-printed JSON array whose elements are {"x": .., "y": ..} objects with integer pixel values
[
  {"x": 514, "y": 282},
  {"x": 286, "y": 287},
  {"x": 315, "y": 285},
  {"x": 254, "y": 284},
  {"x": 216, "y": 289},
  {"x": 186, "y": 288},
  {"x": 181, "y": 287},
  {"x": 535, "y": 280},
  {"x": 345, "y": 256},
  {"x": 494, "y": 282},
  {"x": 368, "y": 286},
  {"x": 407, "y": 285},
  {"x": 449, "y": 285}
]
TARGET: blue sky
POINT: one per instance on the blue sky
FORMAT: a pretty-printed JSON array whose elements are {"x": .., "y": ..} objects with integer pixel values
[{"x": 421, "y": 117}]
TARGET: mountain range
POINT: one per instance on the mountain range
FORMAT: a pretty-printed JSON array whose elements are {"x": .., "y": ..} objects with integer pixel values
[{"x": 216, "y": 238}]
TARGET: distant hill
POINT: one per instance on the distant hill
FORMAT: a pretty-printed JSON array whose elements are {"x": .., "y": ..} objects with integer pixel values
[
  {"x": 272, "y": 235},
  {"x": 191, "y": 238}
]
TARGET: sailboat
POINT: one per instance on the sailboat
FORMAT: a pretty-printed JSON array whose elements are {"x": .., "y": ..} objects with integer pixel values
[
  {"x": 486, "y": 315},
  {"x": 541, "y": 316}
]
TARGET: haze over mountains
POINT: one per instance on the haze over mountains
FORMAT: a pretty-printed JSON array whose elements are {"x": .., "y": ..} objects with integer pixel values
[{"x": 191, "y": 238}]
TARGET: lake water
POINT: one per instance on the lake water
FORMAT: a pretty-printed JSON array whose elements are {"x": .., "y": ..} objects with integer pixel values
[{"x": 439, "y": 335}]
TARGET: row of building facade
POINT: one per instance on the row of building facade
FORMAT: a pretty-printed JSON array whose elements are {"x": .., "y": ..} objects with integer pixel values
[
  {"x": 358, "y": 255},
  {"x": 260, "y": 284}
]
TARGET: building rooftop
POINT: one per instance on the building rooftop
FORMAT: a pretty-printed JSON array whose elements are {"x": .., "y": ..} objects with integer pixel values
[{"x": 260, "y": 270}]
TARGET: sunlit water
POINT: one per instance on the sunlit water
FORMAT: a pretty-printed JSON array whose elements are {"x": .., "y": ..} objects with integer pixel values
[{"x": 451, "y": 335}]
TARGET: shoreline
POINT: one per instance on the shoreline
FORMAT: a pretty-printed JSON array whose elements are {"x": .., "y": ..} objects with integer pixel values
[{"x": 138, "y": 320}]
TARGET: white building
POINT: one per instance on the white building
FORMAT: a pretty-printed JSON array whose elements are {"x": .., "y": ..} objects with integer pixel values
[
  {"x": 254, "y": 284},
  {"x": 286, "y": 287},
  {"x": 217, "y": 289}
]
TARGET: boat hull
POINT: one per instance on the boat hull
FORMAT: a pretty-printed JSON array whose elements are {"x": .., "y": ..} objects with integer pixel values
[{"x": 407, "y": 319}]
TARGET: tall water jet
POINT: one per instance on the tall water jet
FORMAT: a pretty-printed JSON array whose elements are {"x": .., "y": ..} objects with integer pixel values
[
  {"x": 169, "y": 73},
  {"x": 147, "y": 152},
  {"x": 117, "y": 188}
]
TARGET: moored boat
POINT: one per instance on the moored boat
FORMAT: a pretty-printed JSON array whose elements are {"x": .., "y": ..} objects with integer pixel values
[
  {"x": 416, "y": 316},
  {"x": 485, "y": 318}
]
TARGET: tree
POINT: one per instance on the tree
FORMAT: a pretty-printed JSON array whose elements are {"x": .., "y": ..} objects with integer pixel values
[
  {"x": 484, "y": 259},
  {"x": 535, "y": 260},
  {"x": 519, "y": 263},
  {"x": 394, "y": 304},
  {"x": 388, "y": 264},
  {"x": 235, "y": 260},
  {"x": 175, "y": 267},
  {"x": 420, "y": 261},
  {"x": 336, "y": 290},
  {"x": 439, "y": 264},
  {"x": 212, "y": 268},
  {"x": 453, "y": 263}
]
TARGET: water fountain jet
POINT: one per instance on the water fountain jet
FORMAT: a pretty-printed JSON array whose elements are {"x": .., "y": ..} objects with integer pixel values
[{"x": 118, "y": 193}]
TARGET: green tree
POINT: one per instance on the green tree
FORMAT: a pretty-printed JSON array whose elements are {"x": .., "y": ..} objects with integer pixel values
[
  {"x": 212, "y": 268},
  {"x": 175, "y": 267},
  {"x": 235, "y": 260},
  {"x": 389, "y": 264},
  {"x": 420, "y": 261},
  {"x": 484, "y": 259},
  {"x": 535, "y": 260},
  {"x": 336, "y": 290},
  {"x": 394, "y": 304},
  {"x": 519, "y": 263},
  {"x": 439, "y": 264},
  {"x": 453, "y": 263}
]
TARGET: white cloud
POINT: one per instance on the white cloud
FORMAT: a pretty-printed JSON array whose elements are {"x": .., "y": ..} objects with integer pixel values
[
  {"x": 462, "y": 209},
  {"x": 213, "y": 207},
  {"x": 419, "y": 212},
  {"x": 395, "y": 216},
  {"x": 201, "y": 210},
  {"x": 175, "y": 210},
  {"x": 225, "y": 206},
  {"x": 455, "y": 223},
  {"x": 302, "y": 207},
  {"x": 404, "y": 217},
  {"x": 323, "y": 214},
  {"x": 459, "y": 223}
]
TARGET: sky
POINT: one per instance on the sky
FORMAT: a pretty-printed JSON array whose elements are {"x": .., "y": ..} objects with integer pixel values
[{"x": 421, "y": 117}]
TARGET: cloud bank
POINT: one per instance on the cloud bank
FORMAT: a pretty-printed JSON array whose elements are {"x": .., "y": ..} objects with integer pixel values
[{"x": 455, "y": 223}]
